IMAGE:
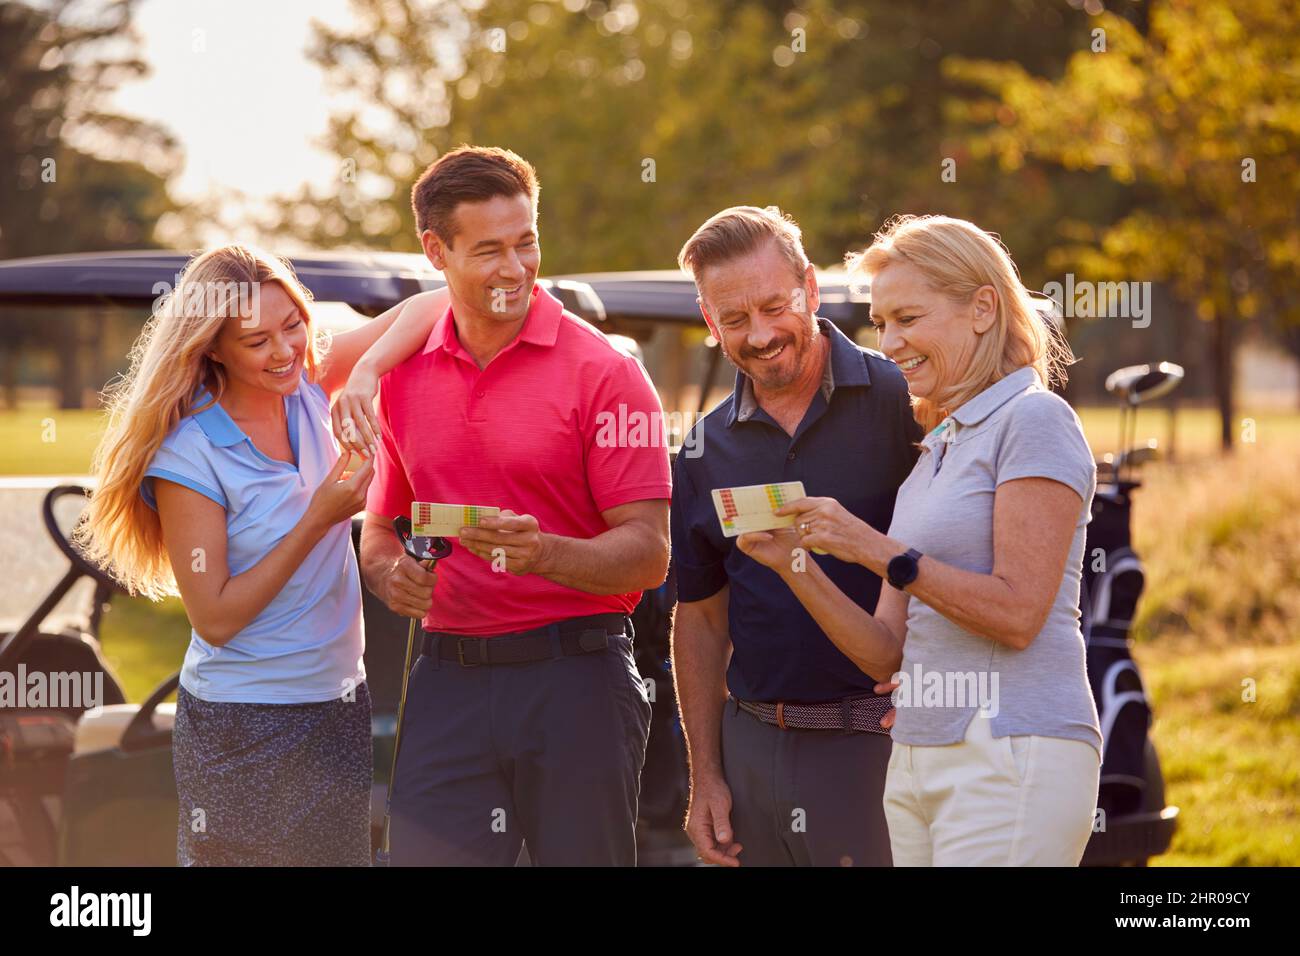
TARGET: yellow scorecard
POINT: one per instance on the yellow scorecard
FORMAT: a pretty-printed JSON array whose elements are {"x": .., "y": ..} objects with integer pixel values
[
  {"x": 752, "y": 507},
  {"x": 431, "y": 519}
]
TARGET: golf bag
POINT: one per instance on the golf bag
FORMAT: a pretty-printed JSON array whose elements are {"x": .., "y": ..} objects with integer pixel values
[{"x": 1112, "y": 584}]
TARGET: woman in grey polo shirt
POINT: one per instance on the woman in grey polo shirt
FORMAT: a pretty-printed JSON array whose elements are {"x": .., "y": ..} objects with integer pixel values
[{"x": 997, "y": 746}]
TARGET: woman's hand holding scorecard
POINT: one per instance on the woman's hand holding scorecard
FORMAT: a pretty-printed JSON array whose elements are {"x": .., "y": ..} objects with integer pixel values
[{"x": 340, "y": 496}]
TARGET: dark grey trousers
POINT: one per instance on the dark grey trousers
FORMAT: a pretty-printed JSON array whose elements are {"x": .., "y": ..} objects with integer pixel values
[
  {"x": 805, "y": 797},
  {"x": 546, "y": 753}
]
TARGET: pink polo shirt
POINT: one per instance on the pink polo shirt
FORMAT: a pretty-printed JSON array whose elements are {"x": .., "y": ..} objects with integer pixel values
[{"x": 549, "y": 428}]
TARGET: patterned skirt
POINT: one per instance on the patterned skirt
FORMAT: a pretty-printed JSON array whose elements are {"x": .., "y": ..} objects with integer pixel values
[{"x": 273, "y": 784}]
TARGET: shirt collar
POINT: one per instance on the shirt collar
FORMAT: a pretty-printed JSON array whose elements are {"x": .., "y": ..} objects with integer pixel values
[
  {"x": 994, "y": 397},
  {"x": 847, "y": 365},
  {"x": 541, "y": 325},
  {"x": 216, "y": 422}
]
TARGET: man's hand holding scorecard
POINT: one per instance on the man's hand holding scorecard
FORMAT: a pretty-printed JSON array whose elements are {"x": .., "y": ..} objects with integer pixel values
[{"x": 434, "y": 520}]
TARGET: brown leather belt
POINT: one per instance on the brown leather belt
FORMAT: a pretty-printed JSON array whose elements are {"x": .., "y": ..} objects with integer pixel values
[{"x": 852, "y": 713}]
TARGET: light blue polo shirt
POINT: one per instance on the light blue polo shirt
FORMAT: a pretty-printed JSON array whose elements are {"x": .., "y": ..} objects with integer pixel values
[
  {"x": 306, "y": 646},
  {"x": 1013, "y": 429}
]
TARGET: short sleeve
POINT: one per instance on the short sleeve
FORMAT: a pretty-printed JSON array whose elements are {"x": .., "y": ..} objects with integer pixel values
[
  {"x": 698, "y": 564},
  {"x": 186, "y": 459},
  {"x": 627, "y": 450},
  {"x": 1043, "y": 438},
  {"x": 390, "y": 491}
]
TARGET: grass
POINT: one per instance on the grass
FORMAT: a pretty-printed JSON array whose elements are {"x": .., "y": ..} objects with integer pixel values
[
  {"x": 1217, "y": 634},
  {"x": 1197, "y": 432},
  {"x": 1218, "y": 642},
  {"x": 1230, "y": 765},
  {"x": 144, "y": 642},
  {"x": 48, "y": 441}
]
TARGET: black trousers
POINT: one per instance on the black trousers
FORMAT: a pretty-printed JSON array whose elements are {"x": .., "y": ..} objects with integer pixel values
[{"x": 547, "y": 753}]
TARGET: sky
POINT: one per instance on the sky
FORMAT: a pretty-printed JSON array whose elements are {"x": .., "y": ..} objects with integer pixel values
[{"x": 230, "y": 79}]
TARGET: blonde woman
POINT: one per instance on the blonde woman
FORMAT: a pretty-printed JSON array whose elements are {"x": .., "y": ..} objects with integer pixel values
[
  {"x": 218, "y": 479},
  {"x": 997, "y": 746}
]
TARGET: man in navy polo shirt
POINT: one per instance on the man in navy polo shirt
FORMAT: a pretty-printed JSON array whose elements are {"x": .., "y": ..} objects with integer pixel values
[{"x": 787, "y": 754}]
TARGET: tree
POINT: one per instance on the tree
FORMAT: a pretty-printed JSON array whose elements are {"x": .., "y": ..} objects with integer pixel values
[
  {"x": 643, "y": 119},
  {"x": 81, "y": 177},
  {"x": 1199, "y": 118}
]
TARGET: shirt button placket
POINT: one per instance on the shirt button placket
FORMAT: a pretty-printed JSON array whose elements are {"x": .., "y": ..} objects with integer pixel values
[{"x": 477, "y": 393}]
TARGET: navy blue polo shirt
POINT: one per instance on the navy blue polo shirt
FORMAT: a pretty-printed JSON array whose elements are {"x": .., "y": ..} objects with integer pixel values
[{"x": 856, "y": 444}]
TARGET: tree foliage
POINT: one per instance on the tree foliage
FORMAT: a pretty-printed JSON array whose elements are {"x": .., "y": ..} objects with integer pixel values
[
  {"x": 84, "y": 176},
  {"x": 80, "y": 176},
  {"x": 1200, "y": 116},
  {"x": 644, "y": 119}
]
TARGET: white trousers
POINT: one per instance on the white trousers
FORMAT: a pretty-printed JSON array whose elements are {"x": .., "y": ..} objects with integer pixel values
[{"x": 1006, "y": 801}]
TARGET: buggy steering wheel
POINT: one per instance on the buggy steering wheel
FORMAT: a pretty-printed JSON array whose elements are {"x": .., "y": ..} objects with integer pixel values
[{"x": 70, "y": 551}]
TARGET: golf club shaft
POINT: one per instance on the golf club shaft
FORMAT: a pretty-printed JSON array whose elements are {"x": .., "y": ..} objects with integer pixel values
[{"x": 397, "y": 735}]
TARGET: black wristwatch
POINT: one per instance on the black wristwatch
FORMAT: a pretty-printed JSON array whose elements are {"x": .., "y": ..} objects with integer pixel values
[{"x": 903, "y": 569}]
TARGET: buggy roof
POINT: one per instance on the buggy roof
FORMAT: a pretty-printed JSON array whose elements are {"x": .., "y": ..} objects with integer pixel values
[
  {"x": 369, "y": 282},
  {"x": 669, "y": 294}
]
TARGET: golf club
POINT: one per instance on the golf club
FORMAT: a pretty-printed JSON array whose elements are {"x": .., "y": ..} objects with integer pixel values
[{"x": 427, "y": 551}]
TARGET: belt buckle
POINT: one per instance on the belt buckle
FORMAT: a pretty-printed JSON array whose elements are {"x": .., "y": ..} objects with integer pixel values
[
  {"x": 592, "y": 640},
  {"x": 460, "y": 652}
]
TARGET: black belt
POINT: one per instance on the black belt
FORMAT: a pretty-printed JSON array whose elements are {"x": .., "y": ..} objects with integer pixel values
[{"x": 577, "y": 635}]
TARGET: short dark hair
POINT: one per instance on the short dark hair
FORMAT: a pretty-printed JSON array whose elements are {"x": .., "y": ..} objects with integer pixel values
[
  {"x": 468, "y": 174},
  {"x": 738, "y": 231}
]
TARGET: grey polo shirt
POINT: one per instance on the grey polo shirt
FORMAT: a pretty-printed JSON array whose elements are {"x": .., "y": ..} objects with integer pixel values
[{"x": 1015, "y": 428}]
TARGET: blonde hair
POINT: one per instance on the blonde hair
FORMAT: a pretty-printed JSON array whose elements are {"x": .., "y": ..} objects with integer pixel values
[
  {"x": 737, "y": 231},
  {"x": 169, "y": 364},
  {"x": 957, "y": 258}
]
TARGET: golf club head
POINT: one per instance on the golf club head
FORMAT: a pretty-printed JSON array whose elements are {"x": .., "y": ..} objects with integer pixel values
[
  {"x": 1140, "y": 454},
  {"x": 425, "y": 550},
  {"x": 1136, "y": 384}
]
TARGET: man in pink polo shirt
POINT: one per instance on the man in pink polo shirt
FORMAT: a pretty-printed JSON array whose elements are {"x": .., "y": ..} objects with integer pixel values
[{"x": 526, "y": 719}]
